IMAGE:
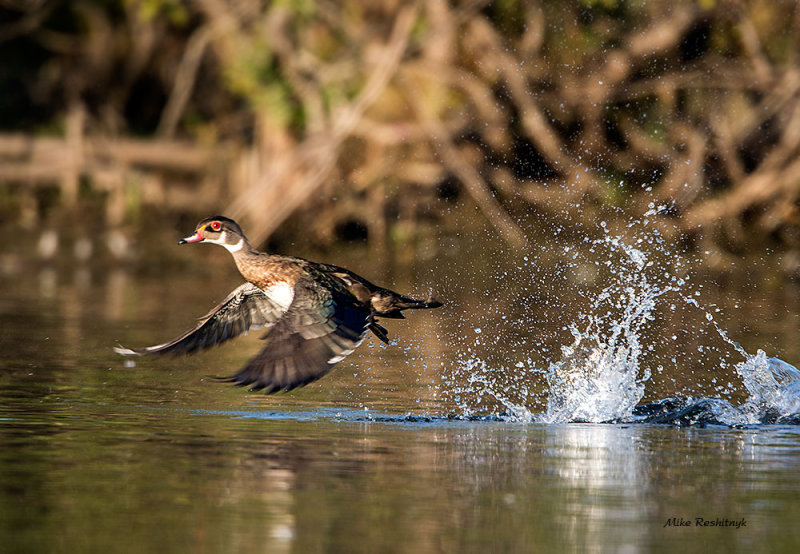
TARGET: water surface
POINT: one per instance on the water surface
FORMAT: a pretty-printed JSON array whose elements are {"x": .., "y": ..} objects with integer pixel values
[{"x": 98, "y": 455}]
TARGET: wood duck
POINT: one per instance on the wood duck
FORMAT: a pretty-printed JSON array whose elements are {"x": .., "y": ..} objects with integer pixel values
[{"x": 315, "y": 314}]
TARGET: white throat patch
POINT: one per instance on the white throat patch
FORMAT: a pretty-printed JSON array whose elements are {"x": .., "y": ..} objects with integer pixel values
[
  {"x": 232, "y": 247},
  {"x": 281, "y": 293},
  {"x": 223, "y": 241}
]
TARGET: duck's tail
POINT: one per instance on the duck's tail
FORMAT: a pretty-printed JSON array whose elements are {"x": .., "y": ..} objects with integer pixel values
[
  {"x": 391, "y": 305},
  {"x": 411, "y": 304}
]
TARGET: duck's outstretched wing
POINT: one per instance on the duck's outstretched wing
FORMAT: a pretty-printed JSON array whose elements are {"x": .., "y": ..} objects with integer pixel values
[
  {"x": 246, "y": 308},
  {"x": 319, "y": 329}
]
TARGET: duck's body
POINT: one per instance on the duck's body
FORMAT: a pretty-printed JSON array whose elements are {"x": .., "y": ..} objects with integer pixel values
[{"x": 315, "y": 314}]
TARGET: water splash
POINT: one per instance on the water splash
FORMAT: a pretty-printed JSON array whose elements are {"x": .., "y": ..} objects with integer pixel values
[
  {"x": 601, "y": 377},
  {"x": 473, "y": 386},
  {"x": 773, "y": 385},
  {"x": 774, "y": 388}
]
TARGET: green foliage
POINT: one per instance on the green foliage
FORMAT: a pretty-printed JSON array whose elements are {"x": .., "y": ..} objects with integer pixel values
[
  {"x": 175, "y": 11},
  {"x": 253, "y": 75}
]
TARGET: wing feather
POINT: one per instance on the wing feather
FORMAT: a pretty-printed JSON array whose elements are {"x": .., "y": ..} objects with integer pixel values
[
  {"x": 320, "y": 328},
  {"x": 246, "y": 308}
]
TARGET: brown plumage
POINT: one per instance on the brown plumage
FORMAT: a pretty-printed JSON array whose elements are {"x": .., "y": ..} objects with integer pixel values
[{"x": 315, "y": 314}]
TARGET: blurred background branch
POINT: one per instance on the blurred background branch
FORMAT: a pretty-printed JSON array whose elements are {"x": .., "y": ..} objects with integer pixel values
[{"x": 372, "y": 120}]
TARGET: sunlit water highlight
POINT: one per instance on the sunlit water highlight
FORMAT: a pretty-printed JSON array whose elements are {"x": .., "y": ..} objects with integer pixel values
[{"x": 601, "y": 375}]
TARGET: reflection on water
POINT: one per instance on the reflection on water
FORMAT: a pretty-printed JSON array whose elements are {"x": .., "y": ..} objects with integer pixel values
[
  {"x": 88, "y": 478},
  {"x": 98, "y": 456}
]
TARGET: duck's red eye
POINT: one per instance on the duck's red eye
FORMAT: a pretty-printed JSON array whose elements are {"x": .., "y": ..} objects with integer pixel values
[{"x": 215, "y": 225}]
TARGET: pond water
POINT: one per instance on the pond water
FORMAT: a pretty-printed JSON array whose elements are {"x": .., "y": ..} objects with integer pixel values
[{"x": 513, "y": 419}]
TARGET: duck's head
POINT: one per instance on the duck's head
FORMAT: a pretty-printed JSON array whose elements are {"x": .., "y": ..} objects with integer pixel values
[{"x": 218, "y": 230}]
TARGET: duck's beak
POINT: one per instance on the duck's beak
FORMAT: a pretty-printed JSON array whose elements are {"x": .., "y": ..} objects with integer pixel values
[{"x": 196, "y": 237}]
